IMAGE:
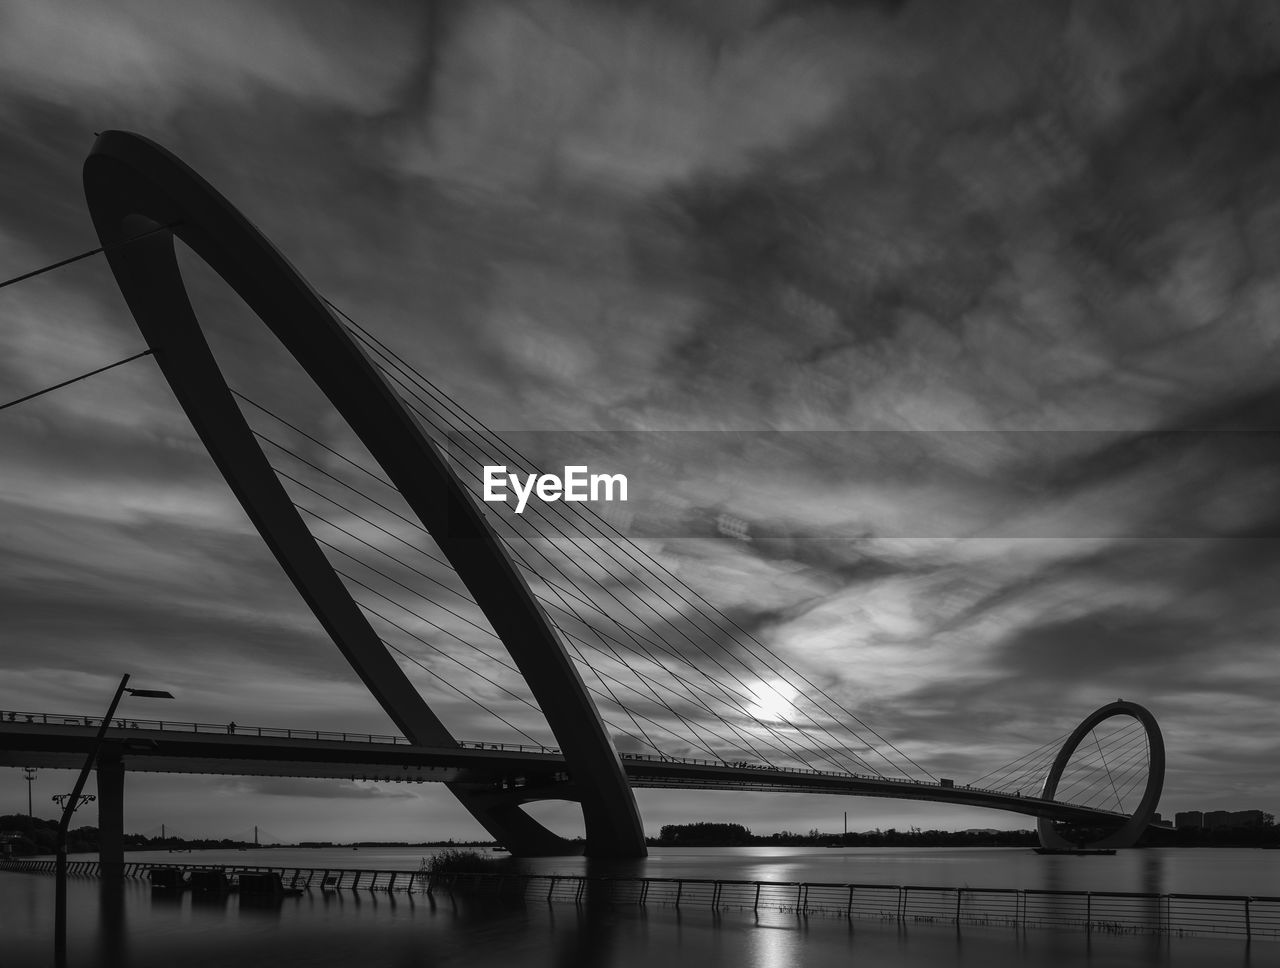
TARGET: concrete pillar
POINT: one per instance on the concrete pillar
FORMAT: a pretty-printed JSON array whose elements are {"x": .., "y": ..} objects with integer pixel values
[{"x": 111, "y": 815}]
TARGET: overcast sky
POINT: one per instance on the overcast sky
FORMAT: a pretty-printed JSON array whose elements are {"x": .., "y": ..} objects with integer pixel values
[{"x": 1019, "y": 262}]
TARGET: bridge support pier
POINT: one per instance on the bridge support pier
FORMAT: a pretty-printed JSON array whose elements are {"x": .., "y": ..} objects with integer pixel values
[
  {"x": 111, "y": 815},
  {"x": 515, "y": 829}
]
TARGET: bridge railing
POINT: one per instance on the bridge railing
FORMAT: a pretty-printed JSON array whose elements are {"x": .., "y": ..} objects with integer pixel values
[
  {"x": 1113, "y": 912},
  {"x": 345, "y": 736},
  {"x": 279, "y": 732},
  {"x": 235, "y": 729}
]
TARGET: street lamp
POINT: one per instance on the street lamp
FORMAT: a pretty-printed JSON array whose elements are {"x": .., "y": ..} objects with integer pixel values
[{"x": 73, "y": 800}]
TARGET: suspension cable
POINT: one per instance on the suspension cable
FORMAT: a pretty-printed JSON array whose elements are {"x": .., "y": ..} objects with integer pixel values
[
  {"x": 719, "y": 685},
  {"x": 416, "y": 525},
  {"x": 484, "y": 430},
  {"x": 626, "y": 544},
  {"x": 76, "y": 379},
  {"x": 84, "y": 255},
  {"x": 350, "y": 511}
]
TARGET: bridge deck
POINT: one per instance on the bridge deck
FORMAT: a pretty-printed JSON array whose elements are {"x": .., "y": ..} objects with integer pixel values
[{"x": 56, "y": 741}]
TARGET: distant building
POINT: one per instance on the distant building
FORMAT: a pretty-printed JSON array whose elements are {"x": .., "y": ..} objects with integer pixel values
[
  {"x": 1217, "y": 819},
  {"x": 1188, "y": 818},
  {"x": 1220, "y": 819},
  {"x": 1246, "y": 818}
]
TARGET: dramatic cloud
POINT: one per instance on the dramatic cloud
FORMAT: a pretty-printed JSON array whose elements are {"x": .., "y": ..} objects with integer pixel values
[{"x": 938, "y": 341}]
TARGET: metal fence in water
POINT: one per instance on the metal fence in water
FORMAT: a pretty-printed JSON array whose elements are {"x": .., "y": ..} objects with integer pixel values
[{"x": 1253, "y": 917}]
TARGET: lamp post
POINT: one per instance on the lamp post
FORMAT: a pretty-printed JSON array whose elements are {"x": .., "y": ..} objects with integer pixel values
[{"x": 69, "y": 804}]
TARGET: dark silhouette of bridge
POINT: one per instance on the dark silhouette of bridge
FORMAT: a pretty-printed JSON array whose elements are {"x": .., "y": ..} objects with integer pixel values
[
  {"x": 529, "y": 772},
  {"x": 141, "y": 199}
]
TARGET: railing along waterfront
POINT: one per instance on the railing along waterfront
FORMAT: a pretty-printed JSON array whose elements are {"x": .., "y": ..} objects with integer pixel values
[
  {"x": 290, "y": 733},
  {"x": 1112, "y": 912}
]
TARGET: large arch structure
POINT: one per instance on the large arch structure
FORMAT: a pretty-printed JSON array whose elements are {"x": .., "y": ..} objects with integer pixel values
[
  {"x": 134, "y": 186},
  {"x": 1127, "y": 834}
]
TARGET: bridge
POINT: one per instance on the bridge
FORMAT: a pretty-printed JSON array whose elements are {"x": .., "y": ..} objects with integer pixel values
[
  {"x": 527, "y": 772},
  {"x": 151, "y": 746},
  {"x": 616, "y": 650}
]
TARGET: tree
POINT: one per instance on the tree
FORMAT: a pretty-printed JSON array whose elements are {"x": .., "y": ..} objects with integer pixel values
[{"x": 704, "y": 834}]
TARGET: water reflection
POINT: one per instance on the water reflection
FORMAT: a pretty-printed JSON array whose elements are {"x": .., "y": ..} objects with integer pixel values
[
  {"x": 776, "y": 946},
  {"x": 206, "y": 902},
  {"x": 129, "y": 926},
  {"x": 1221, "y": 871},
  {"x": 589, "y": 941},
  {"x": 113, "y": 923},
  {"x": 1154, "y": 909}
]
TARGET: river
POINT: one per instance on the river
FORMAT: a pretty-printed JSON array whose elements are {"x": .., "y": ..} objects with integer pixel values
[
  {"x": 136, "y": 929},
  {"x": 1164, "y": 870}
]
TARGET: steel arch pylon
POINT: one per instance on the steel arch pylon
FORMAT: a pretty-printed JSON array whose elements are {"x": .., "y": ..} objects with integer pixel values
[{"x": 133, "y": 185}]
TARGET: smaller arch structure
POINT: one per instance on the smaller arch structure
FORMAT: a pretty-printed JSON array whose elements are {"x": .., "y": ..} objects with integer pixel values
[{"x": 1127, "y": 834}]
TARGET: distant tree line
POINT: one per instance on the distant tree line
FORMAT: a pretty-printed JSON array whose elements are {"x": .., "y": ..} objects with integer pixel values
[
  {"x": 39, "y": 836},
  {"x": 707, "y": 834}
]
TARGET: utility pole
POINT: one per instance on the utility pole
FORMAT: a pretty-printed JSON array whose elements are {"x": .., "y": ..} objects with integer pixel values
[{"x": 30, "y": 773}]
